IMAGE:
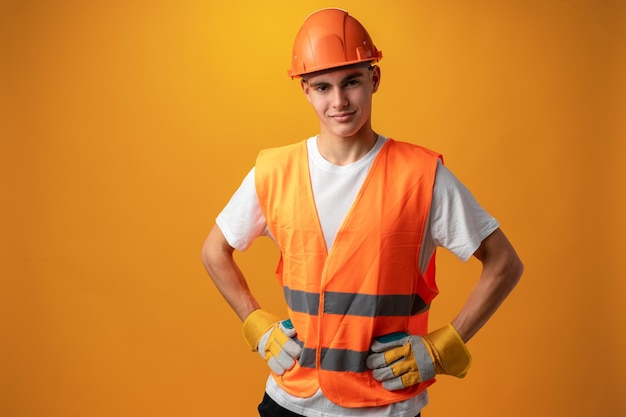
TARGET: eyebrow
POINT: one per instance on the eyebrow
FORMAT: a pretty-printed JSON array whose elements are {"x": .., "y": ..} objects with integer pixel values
[{"x": 345, "y": 79}]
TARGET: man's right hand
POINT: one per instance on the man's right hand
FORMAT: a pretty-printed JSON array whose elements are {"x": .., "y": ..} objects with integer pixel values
[{"x": 272, "y": 338}]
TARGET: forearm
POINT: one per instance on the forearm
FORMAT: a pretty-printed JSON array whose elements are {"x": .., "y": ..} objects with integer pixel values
[
  {"x": 501, "y": 271},
  {"x": 217, "y": 257}
]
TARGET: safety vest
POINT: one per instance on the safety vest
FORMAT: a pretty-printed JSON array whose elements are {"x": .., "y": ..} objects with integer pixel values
[{"x": 368, "y": 284}]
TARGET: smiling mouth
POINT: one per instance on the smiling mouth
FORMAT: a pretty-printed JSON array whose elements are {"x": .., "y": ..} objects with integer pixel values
[{"x": 342, "y": 116}]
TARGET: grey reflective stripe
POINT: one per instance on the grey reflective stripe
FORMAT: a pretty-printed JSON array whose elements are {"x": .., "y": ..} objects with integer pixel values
[
  {"x": 368, "y": 305},
  {"x": 338, "y": 360},
  {"x": 343, "y": 360},
  {"x": 307, "y": 358},
  {"x": 352, "y": 304},
  {"x": 302, "y": 302}
]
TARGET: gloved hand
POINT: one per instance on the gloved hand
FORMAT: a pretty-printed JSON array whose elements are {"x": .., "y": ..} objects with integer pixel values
[
  {"x": 272, "y": 338},
  {"x": 400, "y": 360}
]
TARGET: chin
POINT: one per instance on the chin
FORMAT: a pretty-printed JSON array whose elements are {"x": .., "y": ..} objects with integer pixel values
[{"x": 345, "y": 133}]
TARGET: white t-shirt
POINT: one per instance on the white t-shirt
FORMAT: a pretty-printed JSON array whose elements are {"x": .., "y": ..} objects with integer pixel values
[{"x": 456, "y": 222}]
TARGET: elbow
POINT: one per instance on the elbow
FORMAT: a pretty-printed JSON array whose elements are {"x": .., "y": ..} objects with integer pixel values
[
  {"x": 205, "y": 256},
  {"x": 515, "y": 269},
  {"x": 520, "y": 268}
]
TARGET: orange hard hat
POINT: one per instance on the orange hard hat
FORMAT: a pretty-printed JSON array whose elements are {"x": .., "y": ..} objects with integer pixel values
[{"x": 331, "y": 38}]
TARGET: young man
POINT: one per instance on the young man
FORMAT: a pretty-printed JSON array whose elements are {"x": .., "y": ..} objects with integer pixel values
[{"x": 357, "y": 218}]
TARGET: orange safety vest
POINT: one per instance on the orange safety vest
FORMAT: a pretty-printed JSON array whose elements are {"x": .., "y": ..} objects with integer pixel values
[{"x": 368, "y": 285}]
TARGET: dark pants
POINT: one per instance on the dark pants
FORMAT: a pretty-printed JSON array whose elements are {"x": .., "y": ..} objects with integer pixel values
[{"x": 269, "y": 408}]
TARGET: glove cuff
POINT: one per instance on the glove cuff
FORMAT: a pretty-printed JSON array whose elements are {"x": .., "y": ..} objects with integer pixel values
[
  {"x": 256, "y": 325},
  {"x": 451, "y": 354}
]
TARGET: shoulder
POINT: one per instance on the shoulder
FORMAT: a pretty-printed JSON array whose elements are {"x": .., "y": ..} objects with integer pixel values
[
  {"x": 273, "y": 165},
  {"x": 412, "y": 157},
  {"x": 411, "y": 150},
  {"x": 281, "y": 152}
]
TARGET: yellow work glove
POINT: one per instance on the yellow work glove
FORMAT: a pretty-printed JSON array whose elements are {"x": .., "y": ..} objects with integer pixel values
[
  {"x": 272, "y": 338},
  {"x": 400, "y": 360}
]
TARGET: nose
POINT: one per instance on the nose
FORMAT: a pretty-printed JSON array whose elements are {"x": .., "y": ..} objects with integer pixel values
[{"x": 340, "y": 98}]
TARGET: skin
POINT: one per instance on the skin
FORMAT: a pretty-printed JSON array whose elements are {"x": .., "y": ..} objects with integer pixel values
[{"x": 342, "y": 101}]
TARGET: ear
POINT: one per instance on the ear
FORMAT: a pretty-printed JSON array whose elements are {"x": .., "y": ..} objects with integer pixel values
[
  {"x": 305, "y": 89},
  {"x": 375, "y": 78}
]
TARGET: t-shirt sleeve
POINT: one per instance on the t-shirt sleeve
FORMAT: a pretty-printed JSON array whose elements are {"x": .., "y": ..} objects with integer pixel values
[
  {"x": 457, "y": 222},
  {"x": 241, "y": 221}
]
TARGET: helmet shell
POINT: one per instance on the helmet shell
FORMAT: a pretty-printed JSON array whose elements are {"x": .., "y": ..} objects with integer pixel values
[{"x": 330, "y": 38}]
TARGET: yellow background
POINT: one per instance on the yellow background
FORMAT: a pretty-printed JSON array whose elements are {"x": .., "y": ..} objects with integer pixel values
[{"x": 125, "y": 126}]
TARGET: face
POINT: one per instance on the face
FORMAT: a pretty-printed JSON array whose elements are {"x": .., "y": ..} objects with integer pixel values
[{"x": 342, "y": 99}]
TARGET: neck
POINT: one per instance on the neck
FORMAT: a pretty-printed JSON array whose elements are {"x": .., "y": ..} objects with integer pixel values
[{"x": 345, "y": 150}]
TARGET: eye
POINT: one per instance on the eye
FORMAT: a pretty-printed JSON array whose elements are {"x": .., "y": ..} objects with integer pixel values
[
  {"x": 321, "y": 88},
  {"x": 352, "y": 83}
]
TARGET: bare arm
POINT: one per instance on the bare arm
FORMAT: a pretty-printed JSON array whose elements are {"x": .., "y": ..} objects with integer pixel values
[
  {"x": 217, "y": 257},
  {"x": 501, "y": 270}
]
